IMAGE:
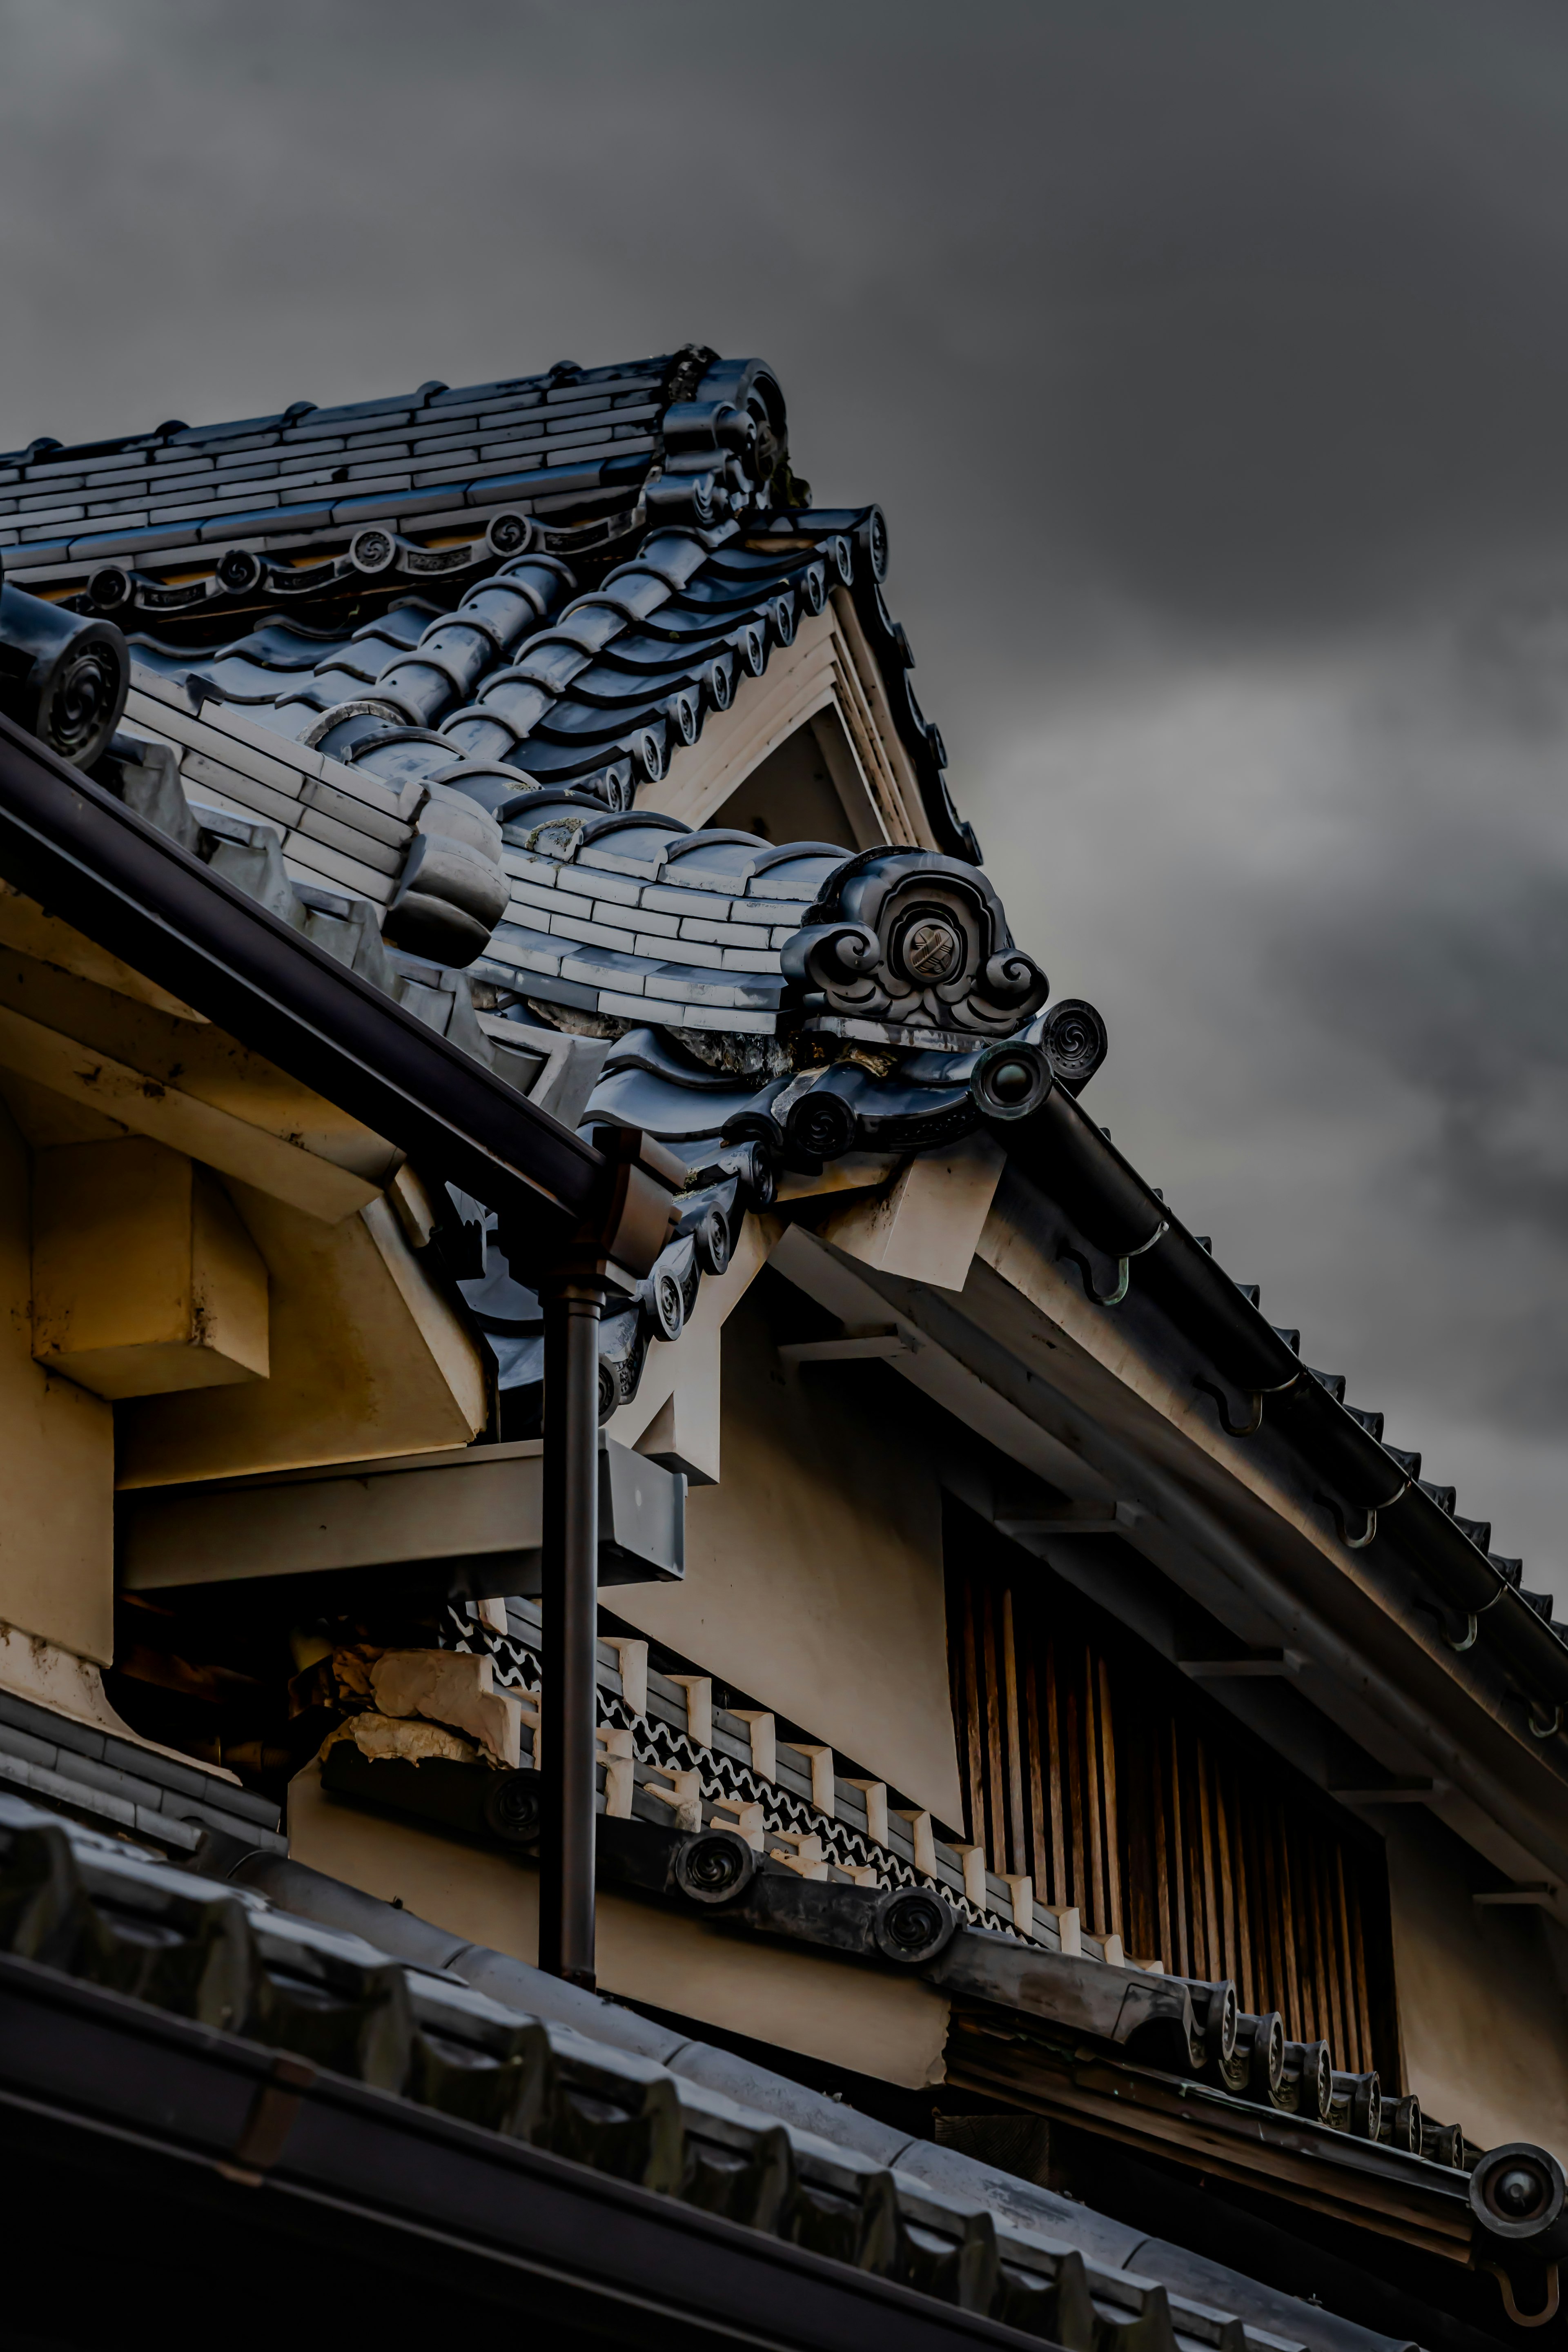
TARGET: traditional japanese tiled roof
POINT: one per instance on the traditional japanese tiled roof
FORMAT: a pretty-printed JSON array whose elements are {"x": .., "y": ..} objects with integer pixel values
[
  {"x": 639, "y": 527},
  {"x": 855, "y": 992},
  {"x": 752, "y": 1006},
  {"x": 770, "y": 1009},
  {"x": 105, "y": 1937},
  {"x": 594, "y": 689},
  {"x": 130, "y": 1789},
  {"x": 271, "y": 485}
]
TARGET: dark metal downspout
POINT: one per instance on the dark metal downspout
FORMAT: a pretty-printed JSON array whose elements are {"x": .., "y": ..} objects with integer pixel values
[
  {"x": 568, "y": 1700},
  {"x": 632, "y": 1229}
]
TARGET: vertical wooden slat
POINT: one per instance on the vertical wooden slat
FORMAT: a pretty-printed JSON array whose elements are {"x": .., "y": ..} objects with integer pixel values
[
  {"x": 1073, "y": 1801},
  {"x": 1191, "y": 1877},
  {"x": 1280, "y": 1993},
  {"x": 1332, "y": 1992},
  {"x": 1287, "y": 1931},
  {"x": 1078, "y": 1795},
  {"x": 1300, "y": 1982},
  {"x": 1094, "y": 1826},
  {"x": 1301, "y": 1918},
  {"x": 1328, "y": 1940},
  {"x": 1197, "y": 1808},
  {"x": 1247, "y": 1974},
  {"x": 1325, "y": 1953},
  {"x": 1114, "y": 1909},
  {"x": 1120, "y": 1789},
  {"x": 1271, "y": 1962},
  {"x": 1362, "y": 1979},
  {"x": 975, "y": 1823},
  {"x": 1053, "y": 1749},
  {"x": 1039, "y": 1862},
  {"x": 1180, "y": 1905},
  {"x": 1247, "y": 1873},
  {"x": 995, "y": 1836},
  {"x": 1160, "y": 1831},
  {"x": 1271, "y": 1972},
  {"x": 956, "y": 1612},
  {"x": 1018, "y": 1848},
  {"x": 1224, "y": 1883},
  {"x": 1345, "y": 1965},
  {"x": 1137, "y": 1817},
  {"x": 1295, "y": 1930},
  {"x": 1212, "y": 1906}
]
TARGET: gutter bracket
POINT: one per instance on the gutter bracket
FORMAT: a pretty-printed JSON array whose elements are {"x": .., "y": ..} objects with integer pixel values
[
  {"x": 1468, "y": 1618},
  {"x": 1124, "y": 1267},
  {"x": 1527, "y": 2319},
  {"x": 1342, "y": 1526},
  {"x": 1472, "y": 1625},
  {"x": 1249, "y": 1428},
  {"x": 1341, "y": 1523}
]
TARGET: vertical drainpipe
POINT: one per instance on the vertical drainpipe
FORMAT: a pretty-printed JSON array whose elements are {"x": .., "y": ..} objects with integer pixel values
[
  {"x": 626, "y": 1238},
  {"x": 573, "y": 1301}
]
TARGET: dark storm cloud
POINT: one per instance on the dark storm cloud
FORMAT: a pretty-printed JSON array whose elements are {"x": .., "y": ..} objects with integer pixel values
[
  {"x": 1440, "y": 962},
  {"x": 1252, "y": 310},
  {"x": 1211, "y": 362},
  {"x": 1325, "y": 902}
]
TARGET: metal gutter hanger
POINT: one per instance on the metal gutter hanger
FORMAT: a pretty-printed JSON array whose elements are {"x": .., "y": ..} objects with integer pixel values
[
  {"x": 1370, "y": 1492},
  {"x": 630, "y": 1228}
]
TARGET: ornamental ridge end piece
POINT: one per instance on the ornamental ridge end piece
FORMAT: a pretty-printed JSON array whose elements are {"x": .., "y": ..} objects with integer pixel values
[{"x": 908, "y": 939}]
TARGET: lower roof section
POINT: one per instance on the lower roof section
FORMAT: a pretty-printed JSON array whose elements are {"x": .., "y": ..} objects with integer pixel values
[
  {"x": 417, "y": 2202},
  {"x": 568, "y": 2154}
]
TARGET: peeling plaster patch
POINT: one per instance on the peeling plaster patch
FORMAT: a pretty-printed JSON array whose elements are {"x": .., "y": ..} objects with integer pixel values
[{"x": 416, "y": 1743}]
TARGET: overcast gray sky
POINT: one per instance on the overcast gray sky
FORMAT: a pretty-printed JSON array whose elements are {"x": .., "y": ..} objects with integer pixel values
[{"x": 1211, "y": 363}]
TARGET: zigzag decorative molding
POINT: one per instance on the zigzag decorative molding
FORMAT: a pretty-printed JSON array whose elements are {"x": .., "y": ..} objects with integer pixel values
[{"x": 663, "y": 1758}]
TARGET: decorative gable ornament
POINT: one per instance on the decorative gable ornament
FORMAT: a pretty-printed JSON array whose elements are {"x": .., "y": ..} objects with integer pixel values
[{"x": 910, "y": 940}]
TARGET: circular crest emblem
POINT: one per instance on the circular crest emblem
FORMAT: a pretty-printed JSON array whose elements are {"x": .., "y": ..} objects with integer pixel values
[
  {"x": 932, "y": 949},
  {"x": 509, "y": 533},
  {"x": 373, "y": 551}
]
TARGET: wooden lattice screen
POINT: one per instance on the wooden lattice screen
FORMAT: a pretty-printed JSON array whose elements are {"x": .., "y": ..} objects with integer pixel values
[{"x": 1100, "y": 1772}]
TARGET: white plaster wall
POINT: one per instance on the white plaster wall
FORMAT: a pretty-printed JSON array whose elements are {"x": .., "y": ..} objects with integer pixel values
[
  {"x": 893, "y": 2028},
  {"x": 1483, "y": 2019},
  {"x": 56, "y": 1460},
  {"x": 814, "y": 1575}
]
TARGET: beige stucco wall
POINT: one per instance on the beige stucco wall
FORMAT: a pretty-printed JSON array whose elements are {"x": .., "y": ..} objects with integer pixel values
[
  {"x": 813, "y": 1576},
  {"x": 367, "y": 1358},
  {"x": 56, "y": 1460},
  {"x": 1483, "y": 2019},
  {"x": 890, "y": 2027}
]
